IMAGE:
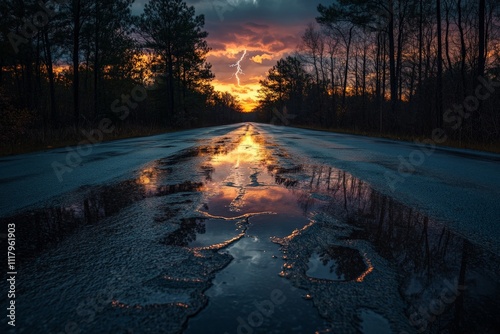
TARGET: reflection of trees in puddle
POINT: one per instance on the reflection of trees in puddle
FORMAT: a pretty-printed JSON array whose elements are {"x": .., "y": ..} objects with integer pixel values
[
  {"x": 348, "y": 263},
  {"x": 39, "y": 229},
  {"x": 340, "y": 264},
  {"x": 425, "y": 252},
  {"x": 420, "y": 248},
  {"x": 394, "y": 228},
  {"x": 186, "y": 233},
  {"x": 286, "y": 182},
  {"x": 207, "y": 172},
  {"x": 215, "y": 234}
]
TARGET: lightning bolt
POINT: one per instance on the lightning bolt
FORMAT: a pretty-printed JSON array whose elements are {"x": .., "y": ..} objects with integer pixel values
[{"x": 239, "y": 70}]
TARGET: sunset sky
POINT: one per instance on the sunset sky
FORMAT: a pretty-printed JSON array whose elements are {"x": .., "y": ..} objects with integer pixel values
[{"x": 267, "y": 29}]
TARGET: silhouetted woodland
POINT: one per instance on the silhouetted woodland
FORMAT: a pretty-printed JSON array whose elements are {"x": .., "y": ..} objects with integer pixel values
[
  {"x": 67, "y": 64},
  {"x": 394, "y": 67},
  {"x": 390, "y": 67}
]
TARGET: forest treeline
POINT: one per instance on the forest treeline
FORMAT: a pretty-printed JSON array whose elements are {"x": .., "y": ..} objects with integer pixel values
[
  {"x": 67, "y": 64},
  {"x": 401, "y": 67}
]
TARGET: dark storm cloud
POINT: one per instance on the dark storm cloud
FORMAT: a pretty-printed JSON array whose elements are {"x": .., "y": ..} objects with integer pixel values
[
  {"x": 259, "y": 11},
  {"x": 243, "y": 22},
  {"x": 274, "y": 11}
]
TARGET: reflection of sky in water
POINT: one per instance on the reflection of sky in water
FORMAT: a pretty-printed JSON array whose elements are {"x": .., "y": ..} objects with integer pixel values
[
  {"x": 148, "y": 178},
  {"x": 242, "y": 187},
  {"x": 247, "y": 151},
  {"x": 239, "y": 183}
]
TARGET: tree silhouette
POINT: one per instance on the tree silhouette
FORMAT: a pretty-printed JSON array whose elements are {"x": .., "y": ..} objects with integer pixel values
[{"x": 172, "y": 30}]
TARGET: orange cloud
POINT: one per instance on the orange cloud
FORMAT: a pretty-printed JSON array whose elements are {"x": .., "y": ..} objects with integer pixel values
[
  {"x": 265, "y": 42},
  {"x": 259, "y": 58}
]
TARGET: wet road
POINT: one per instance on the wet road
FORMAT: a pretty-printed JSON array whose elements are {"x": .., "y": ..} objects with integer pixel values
[{"x": 255, "y": 229}]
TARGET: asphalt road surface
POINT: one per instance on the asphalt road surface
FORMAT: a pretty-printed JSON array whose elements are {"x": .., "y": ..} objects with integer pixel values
[{"x": 253, "y": 228}]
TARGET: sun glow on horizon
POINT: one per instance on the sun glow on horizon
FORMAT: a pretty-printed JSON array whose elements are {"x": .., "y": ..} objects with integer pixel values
[{"x": 246, "y": 93}]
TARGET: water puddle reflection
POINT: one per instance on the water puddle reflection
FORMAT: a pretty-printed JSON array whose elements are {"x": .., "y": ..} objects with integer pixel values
[
  {"x": 46, "y": 227},
  {"x": 335, "y": 229},
  {"x": 386, "y": 252},
  {"x": 243, "y": 183},
  {"x": 206, "y": 233},
  {"x": 337, "y": 263}
]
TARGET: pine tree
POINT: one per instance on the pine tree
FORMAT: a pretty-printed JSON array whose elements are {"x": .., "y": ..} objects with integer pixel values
[{"x": 172, "y": 30}]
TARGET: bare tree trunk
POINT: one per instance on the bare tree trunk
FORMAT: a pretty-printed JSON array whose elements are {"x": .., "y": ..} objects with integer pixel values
[
  {"x": 412, "y": 83},
  {"x": 481, "y": 35},
  {"x": 384, "y": 80},
  {"x": 38, "y": 78},
  {"x": 356, "y": 75},
  {"x": 399, "y": 53},
  {"x": 392, "y": 61},
  {"x": 481, "y": 61},
  {"x": 427, "y": 91},
  {"x": 346, "y": 69},
  {"x": 170, "y": 87},
  {"x": 378, "y": 62},
  {"x": 96, "y": 59},
  {"x": 366, "y": 119},
  {"x": 378, "y": 80},
  {"x": 363, "y": 79},
  {"x": 446, "y": 40},
  {"x": 439, "y": 88},
  {"x": 420, "y": 43},
  {"x": 463, "y": 50},
  {"x": 48, "y": 55},
  {"x": 459, "y": 303},
  {"x": 332, "y": 74},
  {"x": 76, "y": 52}
]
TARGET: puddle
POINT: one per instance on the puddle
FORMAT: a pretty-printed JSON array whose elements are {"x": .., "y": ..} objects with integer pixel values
[
  {"x": 206, "y": 234},
  {"x": 336, "y": 263},
  {"x": 363, "y": 249},
  {"x": 243, "y": 298},
  {"x": 46, "y": 227}
]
